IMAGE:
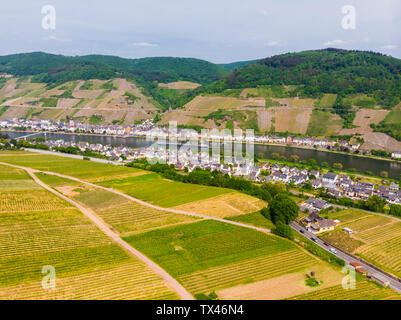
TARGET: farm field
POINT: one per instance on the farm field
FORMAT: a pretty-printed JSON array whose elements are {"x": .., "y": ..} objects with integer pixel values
[
  {"x": 193, "y": 255},
  {"x": 225, "y": 205},
  {"x": 324, "y": 123},
  {"x": 87, "y": 170},
  {"x": 154, "y": 189},
  {"x": 379, "y": 237},
  {"x": 38, "y": 229},
  {"x": 144, "y": 185},
  {"x": 180, "y": 85},
  {"x": 77, "y": 100},
  {"x": 120, "y": 213},
  {"x": 254, "y": 219},
  {"x": 364, "y": 290}
]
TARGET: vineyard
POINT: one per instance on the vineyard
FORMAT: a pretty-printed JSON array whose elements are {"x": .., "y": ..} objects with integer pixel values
[
  {"x": 127, "y": 216},
  {"x": 364, "y": 290},
  {"x": 87, "y": 170},
  {"x": 246, "y": 271},
  {"x": 381, "y": 236},
  {"x": 154, "y": 189},
  {"x": 39, "y": 229},
  {"x": 208, "y": 255}
]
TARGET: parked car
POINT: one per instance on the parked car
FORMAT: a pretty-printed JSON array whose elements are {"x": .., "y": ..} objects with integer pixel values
[
  {"x": 333, "y": 250},
  {"x": 313, "y": 239},
  {"x": 326, "y": 244},
  {"x": 301, "y": 231}
]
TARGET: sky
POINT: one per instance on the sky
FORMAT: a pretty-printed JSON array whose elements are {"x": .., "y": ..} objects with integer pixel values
[{"x": 219, "y": 31}]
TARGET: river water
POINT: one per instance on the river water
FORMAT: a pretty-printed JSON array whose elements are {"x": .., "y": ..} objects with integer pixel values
[{"x": 361, "y": 164}]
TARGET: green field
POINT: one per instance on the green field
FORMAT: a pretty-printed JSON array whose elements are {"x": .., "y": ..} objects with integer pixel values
[
  {"x": 255, "y": 219},
  {"x": 326, "y": 101},
  {"x": 39, "y": 229},
  {"x": 87, "y": 170},
  {"x": 162, "y": 192},
  {"x": 207, "y": 255}
]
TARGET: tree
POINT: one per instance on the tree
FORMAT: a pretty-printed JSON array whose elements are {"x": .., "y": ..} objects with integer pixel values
[
  {"x": 284, "y": 231},
  {"x": 274, "y": 188},
  {"x": 375, "y": 203},
  {"x": 266, "y": 213},
  {"x": 384, "y": 174},
  {"x": 294, "y": 158},
  {"x": 337, "y": 165},
  {"x": 324, "y": 164},
  {"x": 395, "y": 210},
  {"x": 283, "y": 209},
  {"x": 312, "y": 162},
  {"x": 275, "y": 156}
]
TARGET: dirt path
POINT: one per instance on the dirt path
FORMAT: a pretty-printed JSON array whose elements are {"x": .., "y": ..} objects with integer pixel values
[{"x": 174, "y": 284}]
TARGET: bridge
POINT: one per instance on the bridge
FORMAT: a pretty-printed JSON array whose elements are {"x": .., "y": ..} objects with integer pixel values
[{"x": 31, "y": 135}]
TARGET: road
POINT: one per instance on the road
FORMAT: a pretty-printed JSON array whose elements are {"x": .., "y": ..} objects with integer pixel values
[
  {"x": 394, "y": 284},
  {"x": 174, "y": 284}
]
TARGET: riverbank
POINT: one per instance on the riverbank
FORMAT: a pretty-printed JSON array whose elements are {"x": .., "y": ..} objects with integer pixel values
[{"x": 255, "y": 143}]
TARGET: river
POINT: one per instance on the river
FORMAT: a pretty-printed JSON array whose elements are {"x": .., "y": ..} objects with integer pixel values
[{"x": 361, "y": 164}]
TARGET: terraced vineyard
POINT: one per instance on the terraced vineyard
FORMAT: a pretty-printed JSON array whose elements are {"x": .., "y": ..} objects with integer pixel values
[
  {"x": 38, "y": 229},
  {"x": 364, "y": 290},
  {"x": 381, "y": 236}
]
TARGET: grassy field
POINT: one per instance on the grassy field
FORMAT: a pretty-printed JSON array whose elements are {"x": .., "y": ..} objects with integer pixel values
[
  {"x": 38, "y": 229},
  {"x": 326, "y": 101},
  {"x": 87, "y": 170},
  {"x": 165, "y": 193},
  {"x": 323, "y": 123},
  {"x": 255, "y": 219}
]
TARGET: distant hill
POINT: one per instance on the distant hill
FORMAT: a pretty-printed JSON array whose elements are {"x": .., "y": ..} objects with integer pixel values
[
  {"x": 57, "y": 69},
  {"x": 236, "y": 65},
  {"x": 323, "y": 71}
]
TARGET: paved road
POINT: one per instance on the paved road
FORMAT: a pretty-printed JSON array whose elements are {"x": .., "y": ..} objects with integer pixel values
[
  {"x": 174, "y": 284},
  {"x": 394, "y": 284}
]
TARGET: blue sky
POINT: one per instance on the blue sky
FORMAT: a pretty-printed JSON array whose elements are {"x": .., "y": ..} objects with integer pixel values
[{"x": 219, "y": 30}]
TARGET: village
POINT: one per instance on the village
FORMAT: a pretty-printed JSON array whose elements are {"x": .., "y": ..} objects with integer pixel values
[
  {"x": 147, "y": 128},
  {"x": 185, "y": 158}
]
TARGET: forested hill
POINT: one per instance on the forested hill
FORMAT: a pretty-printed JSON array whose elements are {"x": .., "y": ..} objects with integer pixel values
[
  {"x": 236, "y": 65},
  {"x": 323, "y": 71},
  {"x": 56, "y": 69}
]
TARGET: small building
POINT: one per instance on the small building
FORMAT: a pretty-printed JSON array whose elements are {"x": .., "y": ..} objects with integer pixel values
[
  {"x": 348, "y": 230},
  {"x": 317, "y": 224},
  {"x": 396, "y": 155},
  {"x": 379, "y": 279}
]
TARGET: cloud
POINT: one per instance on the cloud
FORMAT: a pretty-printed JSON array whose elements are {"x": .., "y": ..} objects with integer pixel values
[
  {"x": 388, "y": 47},
  {"x": 272, "y": 44},
  {"x": 334, "y": 43},
  {"x": 143, "y": 44},
  {"x": 264, "y": 12}
]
